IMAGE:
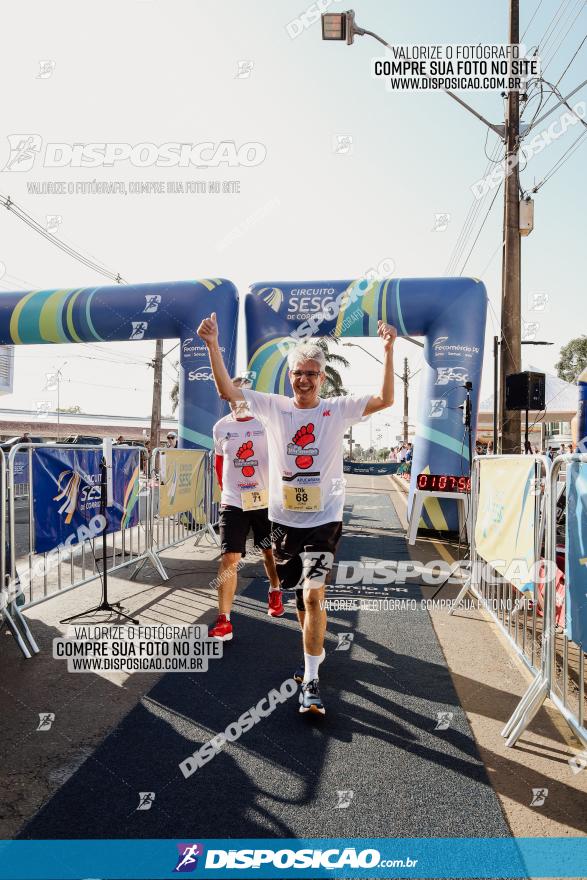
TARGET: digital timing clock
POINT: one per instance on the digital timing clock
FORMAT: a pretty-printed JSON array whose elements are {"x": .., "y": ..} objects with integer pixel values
[{"x": 443, "y": 483}]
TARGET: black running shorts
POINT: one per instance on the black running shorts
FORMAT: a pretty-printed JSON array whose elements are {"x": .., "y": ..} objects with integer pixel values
[
  {"x": 235, "y": 525},
  {"x": 293, "y": 547}
]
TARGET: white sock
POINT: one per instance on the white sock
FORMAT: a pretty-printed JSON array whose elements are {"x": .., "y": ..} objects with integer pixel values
[
  {"x": 311, "y": 664},
  {"x": 227, "y": 616},
  {"x": 272, "y": 589}
]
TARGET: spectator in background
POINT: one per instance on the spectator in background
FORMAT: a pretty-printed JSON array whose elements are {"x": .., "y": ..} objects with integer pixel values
[
  {"x": 171, "y": 440},
  {"x": 489, "y": 450},
  {"x": 119, "y": 439}
]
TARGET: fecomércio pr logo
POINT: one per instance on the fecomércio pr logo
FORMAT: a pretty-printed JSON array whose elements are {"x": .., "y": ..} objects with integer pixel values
[{"x": 188, "y": 854}]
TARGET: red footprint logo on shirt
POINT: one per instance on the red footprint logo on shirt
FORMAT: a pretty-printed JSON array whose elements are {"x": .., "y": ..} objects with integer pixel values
[
  {"x": 303, "y": 437},
  {"x": 245, "y": 452}
]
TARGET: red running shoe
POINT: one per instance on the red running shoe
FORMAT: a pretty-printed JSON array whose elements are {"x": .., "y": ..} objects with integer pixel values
[
  {"x": 221, "y": 630},
  {"x": 275, "y": 603}
]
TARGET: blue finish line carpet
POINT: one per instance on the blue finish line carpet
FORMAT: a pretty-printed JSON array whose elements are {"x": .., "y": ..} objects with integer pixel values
[{"x": 374, "y": 766}]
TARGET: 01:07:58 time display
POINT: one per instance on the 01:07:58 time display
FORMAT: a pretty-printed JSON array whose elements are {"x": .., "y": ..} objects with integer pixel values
[{"x": 444, "y": 483}]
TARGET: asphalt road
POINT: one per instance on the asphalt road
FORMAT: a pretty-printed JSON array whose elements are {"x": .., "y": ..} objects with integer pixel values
[{"x": 380, "y": 764}]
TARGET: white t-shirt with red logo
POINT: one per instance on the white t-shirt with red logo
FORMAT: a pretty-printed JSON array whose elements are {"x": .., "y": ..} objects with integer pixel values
[
  {"x": 243, "y": 445},
  {"x": 306, "y": 482}
]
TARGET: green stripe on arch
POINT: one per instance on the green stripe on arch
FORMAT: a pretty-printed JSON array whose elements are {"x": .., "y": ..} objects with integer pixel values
[
  {"x": 69, "y": 316},
  {"x": 195, "y": 437},
  {"x": 444, "y": 440},
  {"x": 89, "y": 319},
  {"x": 400, "y": 317}
]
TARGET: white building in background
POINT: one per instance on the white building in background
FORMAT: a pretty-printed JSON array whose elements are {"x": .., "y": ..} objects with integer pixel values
[
  {"x": 549, "y": 427},
  {"x": 6, "y": 368}
]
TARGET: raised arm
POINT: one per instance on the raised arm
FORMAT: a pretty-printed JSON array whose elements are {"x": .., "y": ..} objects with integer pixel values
[
  {"x": 208, "y": 331},
  {"x": 385, "y": 397}
]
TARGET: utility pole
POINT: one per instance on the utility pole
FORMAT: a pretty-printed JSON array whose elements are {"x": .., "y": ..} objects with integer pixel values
[
  {"x": 511, "y": 331},
  {"x": 405, "y": 379},
  {"x": 157, "y": 364}
]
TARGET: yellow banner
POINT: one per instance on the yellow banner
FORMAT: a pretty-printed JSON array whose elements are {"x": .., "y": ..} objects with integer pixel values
[
  {"x": 504, "y": 527},
  {"x": 182, "y": 482}
]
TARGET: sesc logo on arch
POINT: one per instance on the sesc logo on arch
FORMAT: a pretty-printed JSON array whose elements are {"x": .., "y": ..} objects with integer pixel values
[{"x": 201, "y": 375}]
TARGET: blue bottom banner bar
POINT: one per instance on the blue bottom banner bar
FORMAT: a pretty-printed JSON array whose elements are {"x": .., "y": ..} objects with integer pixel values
[{"x": 303, "y": 858}]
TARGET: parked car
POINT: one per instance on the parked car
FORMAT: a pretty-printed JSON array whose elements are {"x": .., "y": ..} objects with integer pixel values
[{"x": 83, "y": 439}]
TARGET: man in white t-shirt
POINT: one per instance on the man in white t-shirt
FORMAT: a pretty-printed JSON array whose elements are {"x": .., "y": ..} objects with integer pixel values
[
  {"x": 241, "y": 466},
  {"x": 306, "y": 482}
]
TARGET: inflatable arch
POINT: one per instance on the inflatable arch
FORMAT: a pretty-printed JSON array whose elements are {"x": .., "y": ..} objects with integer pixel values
[
  {"x": 449, "y": 312},
  {"x": 169, "y": 310}
]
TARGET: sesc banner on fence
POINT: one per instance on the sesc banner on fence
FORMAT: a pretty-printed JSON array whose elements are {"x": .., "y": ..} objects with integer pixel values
[
  {"x": 66, "y": 489},
  {"x": 504, "y": 529},
  {"x": 21, "y": 468},
  {"x": 371, "y": 468},
  {"x": 576, "y": 555},
  {"x": 182, "y": 482}
]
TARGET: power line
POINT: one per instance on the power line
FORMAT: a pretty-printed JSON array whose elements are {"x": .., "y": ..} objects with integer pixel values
[
  {"x": 481, "y": 228},
  {"x": 561, "y": 41},
  {"x": 531, "y": 20},
  {"x": 471, "y": 217},
  {"x": 547, "y": 34},
  {"x": 38, "y": 228},
  {"x": 568, "y": 153}
]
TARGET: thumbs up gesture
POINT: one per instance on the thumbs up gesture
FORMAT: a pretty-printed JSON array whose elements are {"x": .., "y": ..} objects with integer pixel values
[{"x": 208, "y": 330}]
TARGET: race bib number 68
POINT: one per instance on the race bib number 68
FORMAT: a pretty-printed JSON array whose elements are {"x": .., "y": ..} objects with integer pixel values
[{"x": 305, "y": 499}]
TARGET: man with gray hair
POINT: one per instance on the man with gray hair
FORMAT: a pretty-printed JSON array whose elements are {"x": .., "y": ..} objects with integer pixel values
[{"x": 306, "y": 494}]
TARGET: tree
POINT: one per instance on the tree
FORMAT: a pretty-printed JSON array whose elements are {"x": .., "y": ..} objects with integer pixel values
[
  {"x": 174, "y": 396},
  {"x": 333, "y": 385},
  {"x": 573, "y": 359}
]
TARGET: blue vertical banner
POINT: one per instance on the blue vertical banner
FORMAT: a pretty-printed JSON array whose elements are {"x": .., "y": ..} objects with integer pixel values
[
  {"x": 66, "y": 494},
  {"x": 576, "y": 555}
]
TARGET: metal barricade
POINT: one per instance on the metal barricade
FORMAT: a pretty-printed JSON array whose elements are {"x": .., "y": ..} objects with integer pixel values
[
  {"x": 10, "y": 591},
  {"x": 558, "y": 666},
  {"x": 54, "y": 572},
  {"x": 172, "y": 529},
  {"x": 562, "y": 674},
  {"x": 515, "y": 613}
]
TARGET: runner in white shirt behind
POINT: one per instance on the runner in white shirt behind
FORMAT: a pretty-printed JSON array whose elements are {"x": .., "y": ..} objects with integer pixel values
[
  {"x": 306, "y": 483},
  {"x": 241, "y": 463}
]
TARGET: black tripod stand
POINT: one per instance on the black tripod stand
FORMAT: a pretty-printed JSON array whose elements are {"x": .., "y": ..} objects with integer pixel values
[
  {"x": 104, "y": 605},
  {"x": 466, "y": 407}
]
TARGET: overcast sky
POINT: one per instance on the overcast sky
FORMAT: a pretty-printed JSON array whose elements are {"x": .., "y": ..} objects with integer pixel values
[{"x": 352, "y": 179}]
